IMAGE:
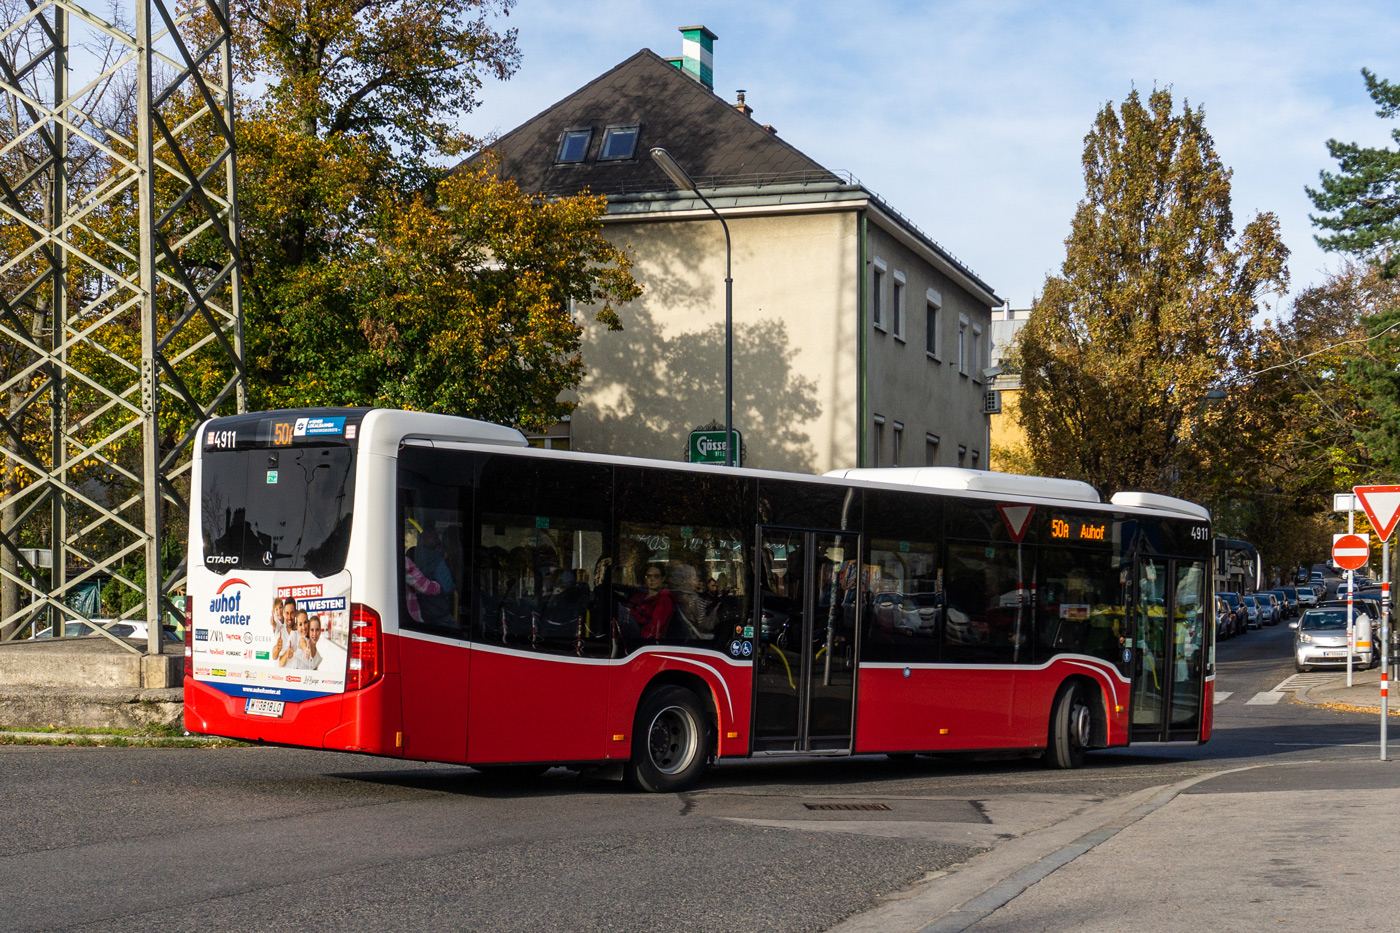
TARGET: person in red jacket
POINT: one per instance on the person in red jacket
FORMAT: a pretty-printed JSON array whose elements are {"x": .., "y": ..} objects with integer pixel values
[{"x": 651, "y": 609}]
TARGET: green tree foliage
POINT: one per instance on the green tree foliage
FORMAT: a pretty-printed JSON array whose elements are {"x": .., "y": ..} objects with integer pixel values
[
  {"x": 1361, "y": 214},
  {"x": 375, "y": 277},
  {"x": 1152, "y": 309},
  {"x": 1360, "y": 203}
]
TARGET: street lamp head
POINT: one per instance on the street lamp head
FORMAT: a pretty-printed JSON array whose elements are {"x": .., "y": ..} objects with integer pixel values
[
  {"x": 1216, "y": 395},
  {"x": 673, "y": 169}
]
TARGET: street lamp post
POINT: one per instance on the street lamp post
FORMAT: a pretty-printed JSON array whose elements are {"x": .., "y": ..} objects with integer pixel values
[{"x": 682, "y": 180}]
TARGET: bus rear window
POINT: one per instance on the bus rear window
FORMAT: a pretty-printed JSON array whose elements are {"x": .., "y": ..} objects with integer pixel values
[{"x": 286, "y": 509}]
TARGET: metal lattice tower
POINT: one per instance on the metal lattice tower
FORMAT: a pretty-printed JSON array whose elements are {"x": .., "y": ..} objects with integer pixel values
[{"x": 120, "y": 316}]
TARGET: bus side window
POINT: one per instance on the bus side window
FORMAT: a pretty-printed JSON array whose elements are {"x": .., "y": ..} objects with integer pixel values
[
  {"x": 988, "y": 614},
  {"x": 539, "y": 553},
  {"x": 905, "y": 612},
  {"x": 434, "y": 509},
  {"x": 682, "y": 571}
]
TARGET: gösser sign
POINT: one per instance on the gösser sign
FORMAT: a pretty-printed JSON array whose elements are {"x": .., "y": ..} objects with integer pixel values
[{"x": 708, "y": 447}]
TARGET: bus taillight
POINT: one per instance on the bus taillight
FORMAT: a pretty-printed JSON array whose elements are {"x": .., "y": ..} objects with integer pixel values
[{"x": 366, "y": 665}]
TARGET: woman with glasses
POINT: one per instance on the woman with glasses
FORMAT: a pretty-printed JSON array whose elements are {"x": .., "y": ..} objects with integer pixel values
[{"x": 650, "y": 609}]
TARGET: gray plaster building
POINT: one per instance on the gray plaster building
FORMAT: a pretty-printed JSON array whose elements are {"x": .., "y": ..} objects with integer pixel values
[{"x": 858, "y": 340}]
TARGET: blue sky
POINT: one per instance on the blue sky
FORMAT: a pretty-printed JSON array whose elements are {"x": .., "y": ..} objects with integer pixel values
[{"x": 969, "y": 117}]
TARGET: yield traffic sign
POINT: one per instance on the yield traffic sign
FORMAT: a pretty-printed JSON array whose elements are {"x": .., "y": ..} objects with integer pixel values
[
  {"x": 1382, "y": 505},
  {"x": 1350, "y": 552}
]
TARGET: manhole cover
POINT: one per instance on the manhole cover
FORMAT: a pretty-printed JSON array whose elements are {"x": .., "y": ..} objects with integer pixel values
[{"x": 845, "y": 806}]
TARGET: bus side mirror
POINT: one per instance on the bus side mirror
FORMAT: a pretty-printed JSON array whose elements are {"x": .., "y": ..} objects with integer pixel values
[{"x": 1293, "y": 624}]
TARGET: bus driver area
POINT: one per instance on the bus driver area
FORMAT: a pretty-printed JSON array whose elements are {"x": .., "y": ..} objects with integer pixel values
[{"x": 423, "y": 586}]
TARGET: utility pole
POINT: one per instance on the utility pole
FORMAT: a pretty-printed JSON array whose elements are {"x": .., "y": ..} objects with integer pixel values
[{"x": 119, "y": 228}]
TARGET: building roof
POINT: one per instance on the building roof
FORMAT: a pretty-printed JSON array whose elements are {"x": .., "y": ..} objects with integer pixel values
[
  {"x": 718, "y": 145},
  {"x": 735, "y": 159}
]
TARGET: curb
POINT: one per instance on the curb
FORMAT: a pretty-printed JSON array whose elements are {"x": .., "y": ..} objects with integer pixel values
[
  {"x": 107, "y": 739},
  {"x": 966, "y": 895}
]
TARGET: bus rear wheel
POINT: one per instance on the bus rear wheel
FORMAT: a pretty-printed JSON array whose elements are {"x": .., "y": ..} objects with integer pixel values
[
  {"x": 1071, "y": 728},
  {"x": 670, "y": 740}
]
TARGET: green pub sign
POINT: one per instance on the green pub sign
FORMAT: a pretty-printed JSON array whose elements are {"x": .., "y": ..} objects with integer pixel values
[{"x": 708, "y": 447}]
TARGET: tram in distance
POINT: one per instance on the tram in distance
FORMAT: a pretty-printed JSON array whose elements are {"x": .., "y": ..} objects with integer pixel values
[{"x": 430, "y": 587}]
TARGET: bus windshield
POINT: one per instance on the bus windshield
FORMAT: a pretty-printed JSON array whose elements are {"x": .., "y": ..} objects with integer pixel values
[{"x": 278, "y": 509}]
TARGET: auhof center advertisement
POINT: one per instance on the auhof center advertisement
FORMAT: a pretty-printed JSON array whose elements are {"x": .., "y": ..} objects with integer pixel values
[{"x": 282, "y": 636}]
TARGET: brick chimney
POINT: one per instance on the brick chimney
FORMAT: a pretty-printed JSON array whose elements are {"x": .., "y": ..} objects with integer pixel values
[{"x": 742, "y": 107}]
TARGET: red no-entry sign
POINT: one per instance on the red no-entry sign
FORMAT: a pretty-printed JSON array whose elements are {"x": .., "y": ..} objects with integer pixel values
[{"x": 1350, "y": 552}]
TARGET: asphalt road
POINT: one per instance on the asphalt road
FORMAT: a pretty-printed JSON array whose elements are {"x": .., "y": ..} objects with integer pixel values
[{"x": 271, "y": 839}]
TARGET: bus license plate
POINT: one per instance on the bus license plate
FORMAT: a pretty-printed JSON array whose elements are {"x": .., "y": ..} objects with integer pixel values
[{"x": 264, "y": 708}]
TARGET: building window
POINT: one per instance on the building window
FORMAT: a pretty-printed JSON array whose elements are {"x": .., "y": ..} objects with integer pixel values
[
  {"x": 962, "y": 344},
  {"x": 897, "y": 452},
  {"x": 962, "y": 455},
  {"x": 573, "y": 146},
  {"x": 931, "y": 449},
  {"x": 933, "y": 318},
  {"x": 877, "y": 295},
  {"x": 619, "y": 142},
  {"x": 977, "y": 353},
  {"x": 897, "y": 306},
  {"x": 879, "y": 447}
]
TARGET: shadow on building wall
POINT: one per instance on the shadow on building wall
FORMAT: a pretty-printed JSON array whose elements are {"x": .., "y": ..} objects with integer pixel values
[{"x": 646, "y": 391}]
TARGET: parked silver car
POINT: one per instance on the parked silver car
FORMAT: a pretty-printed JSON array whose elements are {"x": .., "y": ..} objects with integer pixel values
[{"x": 1321, "y": 639}]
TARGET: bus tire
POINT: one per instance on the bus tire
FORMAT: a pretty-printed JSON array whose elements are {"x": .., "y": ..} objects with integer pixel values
[
  {"x": 1071, "y": 727},
  {"x": 670, "y": 741}
]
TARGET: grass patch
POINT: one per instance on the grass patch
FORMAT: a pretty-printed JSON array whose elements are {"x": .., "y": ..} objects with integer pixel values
[
  {"x": 94, "y": 740},
  {"x": 152, "y": 731}
]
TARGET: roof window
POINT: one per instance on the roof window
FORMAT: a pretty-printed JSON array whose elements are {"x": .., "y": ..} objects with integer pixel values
[
  {"x": 573, "y": 146},
  {"x": 619, "y": 142}
]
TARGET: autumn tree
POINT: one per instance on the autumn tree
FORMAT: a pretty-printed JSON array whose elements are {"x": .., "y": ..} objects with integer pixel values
[
  {"x": 1150, "y": 312},
  {"x": 1359, "y": 207},
  {"x": 374, "y": 275}
]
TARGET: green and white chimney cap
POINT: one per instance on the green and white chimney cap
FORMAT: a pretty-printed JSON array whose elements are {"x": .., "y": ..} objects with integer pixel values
[{"x": 698, "y": 54}]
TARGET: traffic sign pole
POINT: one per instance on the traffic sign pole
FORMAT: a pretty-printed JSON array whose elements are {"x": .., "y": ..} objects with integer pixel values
[
  {"x": 1351, "y": 577},
  {"x": 1385, "y": 646},
  {"x": 1382, "y": 505}
]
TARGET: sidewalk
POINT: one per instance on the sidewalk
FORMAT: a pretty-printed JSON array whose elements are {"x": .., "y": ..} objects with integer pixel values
[{"x": 1364, "y": 693}]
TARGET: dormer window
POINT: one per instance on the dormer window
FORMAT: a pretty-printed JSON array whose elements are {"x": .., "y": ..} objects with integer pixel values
[
  {"x": 619, "y": 143},
  {"x": 573, "y": 146}
]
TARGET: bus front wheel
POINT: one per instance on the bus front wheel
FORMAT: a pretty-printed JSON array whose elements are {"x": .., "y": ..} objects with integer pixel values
[
  {"x": 1071, "y": 727},
  {"x": 669, "y": 741}
]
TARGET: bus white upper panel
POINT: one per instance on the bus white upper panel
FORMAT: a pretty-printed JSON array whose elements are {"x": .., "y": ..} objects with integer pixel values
[
  {"x": 383, "y": 430},
  {"x": 1151, "y": 500},
  {"x": 957, "y": 478}
]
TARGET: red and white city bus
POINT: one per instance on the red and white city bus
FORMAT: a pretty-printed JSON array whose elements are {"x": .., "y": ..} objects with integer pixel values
[{"x": 432, "y": 588}]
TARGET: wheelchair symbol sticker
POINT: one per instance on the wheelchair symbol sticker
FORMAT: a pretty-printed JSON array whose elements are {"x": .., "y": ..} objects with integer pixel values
[{"x": 747, "y": 648}]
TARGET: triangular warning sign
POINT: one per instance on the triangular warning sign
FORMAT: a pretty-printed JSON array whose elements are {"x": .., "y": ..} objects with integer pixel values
[
  {"x": 1017, "y": 519},
  {"x": 1382, "y": 505}
]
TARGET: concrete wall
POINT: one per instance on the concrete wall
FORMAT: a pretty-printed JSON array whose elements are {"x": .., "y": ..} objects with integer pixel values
[
  {"x": 927, "y": 394},
  {"x": 795, "y": 363}
]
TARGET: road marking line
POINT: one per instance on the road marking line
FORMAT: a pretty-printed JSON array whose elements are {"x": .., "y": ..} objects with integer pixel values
[
  {"x": 1268, "y": 698},
  {"x": 1327, "y": 745},
  {"x": 1223, "y": 696}
]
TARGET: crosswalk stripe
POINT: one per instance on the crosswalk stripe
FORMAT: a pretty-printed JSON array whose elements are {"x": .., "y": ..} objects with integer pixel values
[
  {"x": 1267, "y": 698},
  {"x": 1223, "y": 696}
]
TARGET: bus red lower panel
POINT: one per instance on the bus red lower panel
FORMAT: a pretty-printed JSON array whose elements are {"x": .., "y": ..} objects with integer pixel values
[
  {"x": 434, "y": 693},
  {"x": 954, "y": 708},
  {"x": 1208, "y": 711},
  {"x": 934, "y": 708},
  {"x": 211, "y": 711},
  {"x": 534, "y": 707},
  {"x": 728, "y": 686}
]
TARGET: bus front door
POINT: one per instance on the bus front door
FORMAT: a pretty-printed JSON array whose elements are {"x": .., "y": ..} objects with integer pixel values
[
  {"x": 1171, "y": 644},
  {"x": 804, "y": 640}
]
